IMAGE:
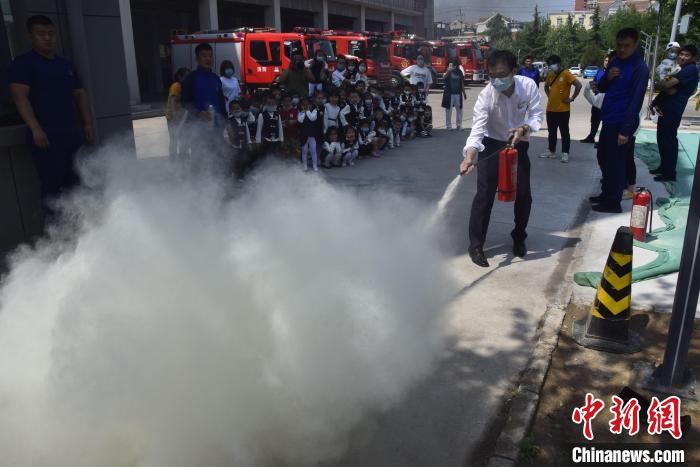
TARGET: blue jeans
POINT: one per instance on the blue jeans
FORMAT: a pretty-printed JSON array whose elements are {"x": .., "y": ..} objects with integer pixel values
[
  {"x": 613, "y": 160},
  {"x": 667, "y": 140}
]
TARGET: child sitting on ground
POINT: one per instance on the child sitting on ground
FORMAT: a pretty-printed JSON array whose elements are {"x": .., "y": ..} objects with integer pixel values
[
  {"x": 350, "y": 147},
  {"x": 332, "y": 149}
]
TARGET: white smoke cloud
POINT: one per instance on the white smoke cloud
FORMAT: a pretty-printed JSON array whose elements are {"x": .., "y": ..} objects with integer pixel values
[{"x": 174, "y": 327}]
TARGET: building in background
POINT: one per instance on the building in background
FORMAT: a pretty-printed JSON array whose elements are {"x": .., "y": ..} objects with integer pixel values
[
  {"x": 152, "y": 22},
  {"x": 583, "y": 18},
  {"x": 481, "y": 26}
]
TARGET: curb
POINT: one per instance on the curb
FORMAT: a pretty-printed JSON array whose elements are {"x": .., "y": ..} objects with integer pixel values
[
  {"x": 523, "y": 406},
  {"x": 526, "y": 399}
]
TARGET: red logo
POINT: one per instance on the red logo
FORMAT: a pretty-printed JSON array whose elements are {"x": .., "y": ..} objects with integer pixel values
[
  {"x": 665, "y": 416},
  {"x": 626, "y": 416},
  {"x": 587, "y": 413}
]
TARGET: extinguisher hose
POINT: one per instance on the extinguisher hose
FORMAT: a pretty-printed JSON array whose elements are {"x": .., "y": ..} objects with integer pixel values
[
  {"x": 651, "y": 211},
  {"x": 494, "y": 153}
]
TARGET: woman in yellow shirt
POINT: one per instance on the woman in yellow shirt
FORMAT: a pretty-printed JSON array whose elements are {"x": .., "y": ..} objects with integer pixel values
[
  {"x": 174, "y": 112},
  {"x": 557, "y": 86}
]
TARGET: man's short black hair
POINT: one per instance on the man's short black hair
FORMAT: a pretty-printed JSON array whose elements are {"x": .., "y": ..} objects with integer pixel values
[
  {"x": 201, "y": 48},
  {"x": 528, "y": 57},
  {"x": 553, "y": 59},
  {"x": 503, "y": 57},
  {"x": 691, "y": 49},
  {"x": 626, "y": 33},
  {"x": 38, "y": 20}
]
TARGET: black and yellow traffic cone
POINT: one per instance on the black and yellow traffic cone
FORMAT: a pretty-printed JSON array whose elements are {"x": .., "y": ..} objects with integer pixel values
[{"x": 607, "y": 326}]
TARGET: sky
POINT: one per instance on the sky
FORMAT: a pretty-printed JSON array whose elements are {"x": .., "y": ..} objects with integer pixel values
[{"x": 472, "y": 10}]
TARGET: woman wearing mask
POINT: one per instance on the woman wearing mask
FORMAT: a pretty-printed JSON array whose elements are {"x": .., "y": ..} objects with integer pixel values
[
  {"x": 453, "y": 94},
  {"x": 297, "y": 77},
  {"x": 340, "y": 75},
  {"x": 229, "y": 83},
  {"x": 361, "y": 74},
  {"x": 418, "y": 73}
]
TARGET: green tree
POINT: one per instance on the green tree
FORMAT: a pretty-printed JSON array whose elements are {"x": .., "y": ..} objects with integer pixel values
[{"x": 595, "y": 37}]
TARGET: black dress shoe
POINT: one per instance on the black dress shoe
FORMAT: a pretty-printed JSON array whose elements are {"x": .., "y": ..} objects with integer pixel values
[
  {"x": 610, "y": 208},
  {"x": 656, "y": 171},
  {"x": 519, "y": 249},
  {"x": 478, "y": 257},
  {"x": 588, "y": 139},
  {"x": 664, "y": 178},
  {"x": 596, "y": 199}
]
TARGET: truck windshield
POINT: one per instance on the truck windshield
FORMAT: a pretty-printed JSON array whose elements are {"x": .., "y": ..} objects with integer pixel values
[
  {"x": 439, "y": 51},
  {"x": 314, "y": 45},
  {"x": 378, "y": 50},
  {"x": 357, "y": 48}
]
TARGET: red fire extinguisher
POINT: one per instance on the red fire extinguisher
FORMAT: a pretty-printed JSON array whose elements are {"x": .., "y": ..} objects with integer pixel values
[
  {"x": 507, "y": 173},
  {"x": 642, "y": 208}
]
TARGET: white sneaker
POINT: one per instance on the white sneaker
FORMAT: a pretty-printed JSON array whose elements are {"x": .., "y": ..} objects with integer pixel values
[
  {"x": 548, "y": 155},
  {"x": 565, "y": 157},
  {"x": 315, "y": 169}
]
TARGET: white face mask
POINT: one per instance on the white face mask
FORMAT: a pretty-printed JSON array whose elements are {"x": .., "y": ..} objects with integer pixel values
[{"x": 554, "y": 67}]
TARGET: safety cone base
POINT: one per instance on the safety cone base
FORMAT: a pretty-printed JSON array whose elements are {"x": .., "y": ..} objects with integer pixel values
[{"x": 581, "y": 335}]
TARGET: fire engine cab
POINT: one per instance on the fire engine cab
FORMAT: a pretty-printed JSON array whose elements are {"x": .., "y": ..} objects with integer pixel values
[
  {"x": 370, "y": 47},
  {"x": 258, "y": 55},
  {"x": 471, "y": 59}
]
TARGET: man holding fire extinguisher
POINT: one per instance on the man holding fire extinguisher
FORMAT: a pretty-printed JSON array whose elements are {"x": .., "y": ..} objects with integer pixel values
[{"x": 509, "y": 107}]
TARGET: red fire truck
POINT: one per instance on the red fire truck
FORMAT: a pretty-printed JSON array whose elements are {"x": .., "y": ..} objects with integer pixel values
[
  {"x": 372, "y": 48},
  {"x": 472, "y": 61},
  {"x": 485, "y": 50},
  {"x": 258, "y": 55}
]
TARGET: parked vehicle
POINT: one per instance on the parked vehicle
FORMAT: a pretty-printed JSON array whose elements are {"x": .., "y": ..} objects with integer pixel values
[
  {"x": 259, "y": 55},
  {"x": 542, "y": 68},
  {"x": 371, "y": 47},
  {"x": 485, "y": 50},
  {"x": 576, "y": 71},
  {"x": 590, "y": 71},
  {"x": 471, "y": 58}
]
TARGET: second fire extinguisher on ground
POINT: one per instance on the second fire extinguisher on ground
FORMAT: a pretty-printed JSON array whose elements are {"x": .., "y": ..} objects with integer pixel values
[{"x": 642, "y": 207}]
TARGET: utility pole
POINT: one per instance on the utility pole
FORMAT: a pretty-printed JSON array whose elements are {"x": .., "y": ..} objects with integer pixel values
[{"x": 676, "y": 19}]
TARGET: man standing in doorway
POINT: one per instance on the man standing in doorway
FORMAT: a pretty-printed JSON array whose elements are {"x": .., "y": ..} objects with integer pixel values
[
  {"x": 47, "y": 91},
  {"x": 508, "y": 106},
  {"x": 678, "y": 90},
  {"x": 624, "y": 84},
  {"x": 557, "y": 86}
]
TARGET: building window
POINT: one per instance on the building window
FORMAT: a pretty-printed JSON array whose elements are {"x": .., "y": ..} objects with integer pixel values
[
  {"x": 560, "y": 21},
  {"x": 581, "y": 20}
]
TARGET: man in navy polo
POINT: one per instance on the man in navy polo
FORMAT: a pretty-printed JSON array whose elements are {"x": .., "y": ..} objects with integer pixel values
[
  {"x": 47, "y": 91},
  {"x": 529, "y": 71},
  {"x": 624, "y": 84},
  {"x": 678, "y": 90},
  {"x": 203, "y": 99}
]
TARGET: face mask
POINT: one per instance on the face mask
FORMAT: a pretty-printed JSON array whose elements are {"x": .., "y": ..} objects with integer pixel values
[
  {"x": 364, "y": 130},
  {"x": 403, "y": 119},
  {"x": 254, "y": 109},
  {"x": 320, "y": 58},
  {"x": 228, "y": 72},
  {"x": 340, "y": 67},
  {"x": 502, "y": 84},
  {"x": 420, "y": 62},
  {"x": 672, "y": 55},
  {"x": 363, "y": 68},
  {"x": 407, "y": 92},
  {"x": 554, "y": 67},
  {"x": 391, "y": 94},
  {"x": 295, "y": 101},
  {"x": 270, "y": 108},
  {"x": 368, "y": 102},
  {"x": 351, "y": 68}
]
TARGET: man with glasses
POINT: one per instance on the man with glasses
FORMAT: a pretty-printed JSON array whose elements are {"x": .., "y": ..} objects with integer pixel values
[{"x": 509, "y": 106}]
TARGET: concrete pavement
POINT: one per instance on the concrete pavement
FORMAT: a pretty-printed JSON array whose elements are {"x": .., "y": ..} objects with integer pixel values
[{"x": 448, "y": 418}]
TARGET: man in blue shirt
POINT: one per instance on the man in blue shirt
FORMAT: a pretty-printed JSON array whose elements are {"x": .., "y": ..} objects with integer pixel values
[
  {"x": 678, "y": 90},
  {"x": 529, "y": 71},
  {"x": 46, "y": 90},
  {"x": 595, "y": 111},
  {"x": 624, "y": 84},
  {"x": 202, "y": 93}
]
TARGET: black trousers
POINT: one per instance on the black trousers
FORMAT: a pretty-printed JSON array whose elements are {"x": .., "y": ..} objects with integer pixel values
[
  {"x": 667, "y": 140},
  {"x": 486, "y": 185},
  {"x": 595, "y": 121},
  {"x": 560, "y": 121}
]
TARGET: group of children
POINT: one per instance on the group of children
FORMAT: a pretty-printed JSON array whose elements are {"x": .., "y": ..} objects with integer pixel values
[{"x": 334, "y": 128}]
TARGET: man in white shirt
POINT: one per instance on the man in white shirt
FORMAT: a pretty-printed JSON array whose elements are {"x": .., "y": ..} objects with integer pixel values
[
  {"x": 418, "y": 73},
  {"x": 509, "y": 106}
]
